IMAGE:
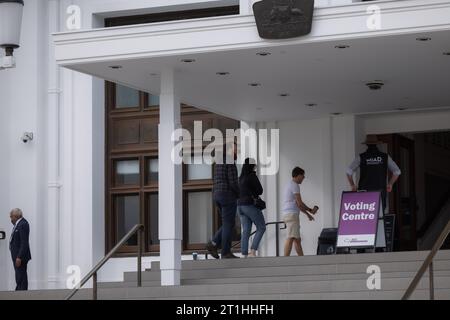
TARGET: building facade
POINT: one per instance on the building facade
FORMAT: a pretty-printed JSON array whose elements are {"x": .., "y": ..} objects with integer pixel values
[{"x": 100, "y": 83}]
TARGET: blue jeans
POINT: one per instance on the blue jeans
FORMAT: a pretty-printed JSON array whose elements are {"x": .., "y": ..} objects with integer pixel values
[
  {"x": 223, "y": 236},
  {"x": 251, "y": 214}
]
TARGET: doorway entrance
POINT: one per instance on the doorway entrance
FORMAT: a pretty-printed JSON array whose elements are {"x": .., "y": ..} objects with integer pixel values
[{"x": 421, "y": 198}]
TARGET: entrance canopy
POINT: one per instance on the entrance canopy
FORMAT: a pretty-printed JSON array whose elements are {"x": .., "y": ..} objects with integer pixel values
[{"x": 223, "y": 66}]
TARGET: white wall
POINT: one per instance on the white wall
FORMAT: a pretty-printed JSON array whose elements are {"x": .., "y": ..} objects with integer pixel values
[
  {"x": 404, "y": 122},
  {"x": 5, "y": 224},
  {"x": 302, "y": 144},
  {"x": 23, "y": 109}
]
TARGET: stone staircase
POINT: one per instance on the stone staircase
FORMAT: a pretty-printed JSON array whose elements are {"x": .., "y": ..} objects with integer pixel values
[{"x": 340, "y": 277}]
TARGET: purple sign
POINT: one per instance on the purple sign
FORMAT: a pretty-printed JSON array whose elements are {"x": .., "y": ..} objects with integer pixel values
[{"x": 358, "y": 219}]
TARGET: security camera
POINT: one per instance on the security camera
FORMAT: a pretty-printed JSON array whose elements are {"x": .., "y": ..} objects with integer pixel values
[
  {"x": 375, "y": 85},
  {"x": 27, "y": 136}
]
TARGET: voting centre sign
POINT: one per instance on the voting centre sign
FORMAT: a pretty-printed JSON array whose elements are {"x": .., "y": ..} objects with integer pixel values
[{"x": 358, "y": 219}]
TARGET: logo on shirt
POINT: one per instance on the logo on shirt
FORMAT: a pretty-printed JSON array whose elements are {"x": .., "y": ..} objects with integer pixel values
[{"x": 374, "y": 161}]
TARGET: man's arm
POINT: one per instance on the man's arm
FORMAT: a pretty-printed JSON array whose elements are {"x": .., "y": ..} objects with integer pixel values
[
  {"x": 350, "y": 170},
  {"x": 24, "y": 233},
  {"x": 396, "y": 172},
  {"x": 303, "y": 207}
]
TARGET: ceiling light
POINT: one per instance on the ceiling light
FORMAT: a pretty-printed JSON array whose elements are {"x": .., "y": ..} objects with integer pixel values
[
  {"x": 336, "y": 113},
  {"x": 154, "y": 74},
  {"x": 116, "y": 67},
  {"x": 375, "y": 85},
  {"x": 342, "y": 46},
  {"x": 254, "y": 84},
  {"x": 222, "y": 73},
  {"x": 311, "y": 105},
  {"x": 187, "y": 60},
  {"x": 401, "y": 109},
  {"x": 284, "y": 94},
  {"x": 423, "y": 39},
  {"x": 263, "y": 54},
  {"x": 446, "y": 53}
]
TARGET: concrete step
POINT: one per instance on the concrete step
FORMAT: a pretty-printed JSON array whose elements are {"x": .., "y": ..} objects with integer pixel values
[
  {"x": 248, "y": 290},
  {"x": 239, "y": 289},
  {"x": 307, "y": 260},
  {"x": 314, "y": 277},
  {"x": 441, "y": 294},
  {"x": 295, "y": 270},
  {"x": 282, "y": 278}
]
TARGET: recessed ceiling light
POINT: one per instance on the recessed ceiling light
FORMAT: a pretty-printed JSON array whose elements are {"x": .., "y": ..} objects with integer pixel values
[
  {"x": 446, "y": 53},
  {"x": 222, "y": 73},
  {"x": 284, "y": 94},
  {"x": 342, "y": 46},
  {"x": 311, "y": 105},
  {"x": 263, "y": 54},
  {"x": 116, "y": 67},
  {"x": 254, "y": 84},
  {"x": 401, "y": 109},
  {"x": 423, "y": 39},
  {"x": 336, "y": 113},
  {"x": 375, "y": 85},
  {"x": 187, "y": 60}
]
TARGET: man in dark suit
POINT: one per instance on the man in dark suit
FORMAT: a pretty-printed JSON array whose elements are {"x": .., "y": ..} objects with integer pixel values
[{"x": 20, "y": 248}]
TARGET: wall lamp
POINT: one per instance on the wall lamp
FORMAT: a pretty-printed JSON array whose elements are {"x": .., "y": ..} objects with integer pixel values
[{"x": 11, "y": 12}]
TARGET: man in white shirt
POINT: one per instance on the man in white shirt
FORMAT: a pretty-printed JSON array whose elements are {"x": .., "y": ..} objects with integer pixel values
[{"x": 292, "y": 205}]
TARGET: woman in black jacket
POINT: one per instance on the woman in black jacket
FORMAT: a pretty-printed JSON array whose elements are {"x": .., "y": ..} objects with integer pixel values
[{"x": 249, "y": 189}]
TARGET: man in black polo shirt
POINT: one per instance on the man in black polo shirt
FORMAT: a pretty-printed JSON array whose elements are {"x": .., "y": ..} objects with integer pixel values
[{"x": 374, "y": 166}]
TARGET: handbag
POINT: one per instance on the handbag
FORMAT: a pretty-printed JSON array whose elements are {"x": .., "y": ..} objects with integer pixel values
[{"x": 259, "y": 203}]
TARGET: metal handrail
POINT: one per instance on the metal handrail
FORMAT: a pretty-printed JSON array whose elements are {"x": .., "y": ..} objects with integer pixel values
[
  {"x": 139, "y": 228},
  {"x": 428, "y": 263},
  {"x": 276, "y": 235},
  {"x": 277, "y": 238}
]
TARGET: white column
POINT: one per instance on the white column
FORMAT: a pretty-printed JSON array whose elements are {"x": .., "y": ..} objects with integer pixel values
[
  {"x": 270, "y": 195},
  {"x": 54, "y": 91},
  {"x": 343, "y": 134},
  {"x": 170, "y": 183},
  {"x": 328, "y": 211}
]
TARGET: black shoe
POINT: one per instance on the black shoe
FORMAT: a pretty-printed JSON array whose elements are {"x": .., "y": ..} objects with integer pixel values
[
  {"x": 212, "y": 250},
  {"x": 229, "y": 256}
]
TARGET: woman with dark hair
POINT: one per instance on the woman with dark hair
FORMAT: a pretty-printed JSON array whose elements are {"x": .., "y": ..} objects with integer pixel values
[{"x": 250, "y": 189}]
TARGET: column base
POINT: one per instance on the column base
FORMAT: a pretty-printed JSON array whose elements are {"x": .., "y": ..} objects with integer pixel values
[{"x": 170, "y": 277}]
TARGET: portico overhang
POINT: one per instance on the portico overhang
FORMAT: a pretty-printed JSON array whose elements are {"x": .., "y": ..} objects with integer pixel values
[{"x": 321, "y": 73}]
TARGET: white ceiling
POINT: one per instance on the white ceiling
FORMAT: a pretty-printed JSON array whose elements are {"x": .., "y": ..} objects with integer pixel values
[{"x": 417, "y": 76}]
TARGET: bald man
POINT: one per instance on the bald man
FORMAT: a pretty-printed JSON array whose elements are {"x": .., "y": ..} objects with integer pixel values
[{"x": 20, "y": 248}]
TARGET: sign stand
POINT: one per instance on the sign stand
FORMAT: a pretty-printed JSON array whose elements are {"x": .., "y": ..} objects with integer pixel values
[
  {"x": 361, "y": 224},
  {"x": 389, "y": 226}
]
